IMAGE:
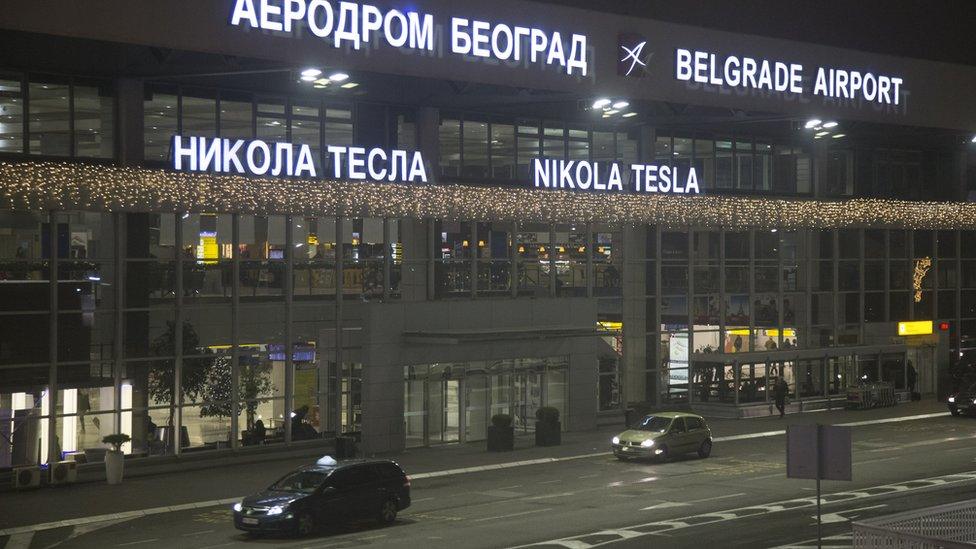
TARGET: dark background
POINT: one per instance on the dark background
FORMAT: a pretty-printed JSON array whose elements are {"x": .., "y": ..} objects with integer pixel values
[{"x": 941, "y": 30}]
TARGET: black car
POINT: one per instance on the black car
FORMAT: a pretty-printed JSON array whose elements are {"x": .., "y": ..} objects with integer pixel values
[
  {"x": 327, "y": 492},
  {"x": 963, "y": 402}
]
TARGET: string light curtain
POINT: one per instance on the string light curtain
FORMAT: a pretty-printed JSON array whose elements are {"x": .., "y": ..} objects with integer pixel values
[{"x": 71, "y": 186}]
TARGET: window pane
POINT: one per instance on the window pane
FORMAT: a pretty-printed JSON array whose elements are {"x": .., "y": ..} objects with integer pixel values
[
  {"x": 94, "y": 111},
  {"x": 723, "y": 164},
  {"x": 49, "y": 119},
  {"x": 11, "y": 117},
  {"x": 603, "y": 148},
  {"x": 554, "y": 144},
  {"x": 475, "y": 138},
  {"x": 159, "y": 118},
  {"x": 235, "y": 119},
  {"x": 502, "y": 151},
  {"x": 199, "y": 116},
  {"x": 450, "y": 148}
]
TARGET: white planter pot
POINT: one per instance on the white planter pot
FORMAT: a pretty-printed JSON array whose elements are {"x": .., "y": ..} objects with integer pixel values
[{"x": 114, "y": 463}]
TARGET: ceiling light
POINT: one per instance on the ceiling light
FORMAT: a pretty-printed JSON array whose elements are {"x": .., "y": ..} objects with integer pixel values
[
  {"x": 621, "y": 104},
  {"x": 349, "y": 85},
  {"x": 308, "y": 78},
  {"x": 628, "y": 115},
  {"x": 612, "y": 111},
  {"x": 339, "y": 77},
  {"x": 323, "y": 81},
  {"x": 311, "y": 72},
  {"x": 821, "y": 134},
  {"x": 605, "y": 115},
  {"x": 830, "y": 124},
  {"x": 838, "y": 136},
  {"x": 319, "y": 86},
  {"x": 600, "y": 103},
  {"x": 812, "y": 122}
]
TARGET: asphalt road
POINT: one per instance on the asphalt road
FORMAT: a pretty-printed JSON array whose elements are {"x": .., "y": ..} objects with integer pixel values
[{"x": 739, "y": 497}]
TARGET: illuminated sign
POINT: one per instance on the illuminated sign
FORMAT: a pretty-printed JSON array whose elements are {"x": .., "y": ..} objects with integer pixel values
[
  {"x": 922, "y": 267},
  {"x": 342, "y": 24},
  {"x": 917, "y": 327},
  {"x": 261, "y": 158},
  {"x": 733, "y": 71},
  {"x": 612, "y": 177}
]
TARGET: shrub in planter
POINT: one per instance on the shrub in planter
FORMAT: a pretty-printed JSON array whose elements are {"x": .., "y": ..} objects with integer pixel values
[
  {"x": 548, "y": 430},
  {"x": 114, "y": 460},
  {"x": 501, "y": 434}
]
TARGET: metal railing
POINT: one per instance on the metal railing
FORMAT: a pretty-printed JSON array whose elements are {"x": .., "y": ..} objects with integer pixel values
[{"x": 949, "y": 526}]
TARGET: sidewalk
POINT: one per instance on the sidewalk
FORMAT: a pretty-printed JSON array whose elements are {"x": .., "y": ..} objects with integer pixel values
[{"x": 85, "y": 500}]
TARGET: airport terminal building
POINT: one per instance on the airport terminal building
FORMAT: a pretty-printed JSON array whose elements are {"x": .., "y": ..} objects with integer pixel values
[{"x": 246, "y": 223}]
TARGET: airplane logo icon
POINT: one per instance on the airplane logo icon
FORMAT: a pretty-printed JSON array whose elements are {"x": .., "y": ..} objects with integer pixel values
[{"x": 633, "y": 55}]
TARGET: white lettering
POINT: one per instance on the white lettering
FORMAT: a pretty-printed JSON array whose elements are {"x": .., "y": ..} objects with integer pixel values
[
  {"x": 320, "y": 26},
  {"x": 417, "y": 170},
  {"x": 577, "y": 56},
  {"x": 371, "y": 164},
  {"x": 395, "y": 19},
  {"x": 268, "y": 9},
  {"x": 460, "y": 40},
  {"x": 244, "y": 9},
  {"x": 421, "y": 31},
  {"x": 252, "y": 157},
  {"x": 209, "y": 155},
  {"x": 305, "y": 162},
  {"x": 179, "y": 152},
  {"x": 231, "y": 150},
  {"x": 282, "y": 159},
  {"x": 348, "y": 27},
  {"x": 294, "y": 11},
  {"x": 682, "y": 65}
]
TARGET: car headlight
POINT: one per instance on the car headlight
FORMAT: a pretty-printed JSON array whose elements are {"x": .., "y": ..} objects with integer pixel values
[
  {"x": 647, "y": 443},
  {"x": 952, "y": 399},
  {"x": 276, "y": 510},
  {"x": 615, "y": 440},
  {"x": 974, "y": 401},
  {"x": 238, "y": 507}
]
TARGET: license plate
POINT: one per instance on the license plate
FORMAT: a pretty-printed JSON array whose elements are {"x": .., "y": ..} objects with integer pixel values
[{"x": 249, "y": 520}]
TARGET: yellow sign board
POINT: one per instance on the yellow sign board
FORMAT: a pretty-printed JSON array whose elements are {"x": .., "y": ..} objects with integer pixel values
[{"x": 918, "y": 327}]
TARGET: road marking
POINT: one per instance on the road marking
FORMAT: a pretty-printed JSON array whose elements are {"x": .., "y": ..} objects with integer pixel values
[
  {"x": 150, "y": 540},
  {"x": 668, "y": 504},
  {"x": 867, "y": 461},
  {"x": 19, "y": 541},
  {"x": 513, "y": 515},
  {"x": 415, "y": 500},
  {"x": 198, "y": 533},
  {"x": 928, "y": 442},
  {"x": 547, "y": 496},
  {"x": 656, "y": 528},
  {"x": 550, "y": 481},
  {"x": 831, "y": 518},
  {"x": 432, "y": 474},
  {"x": 372, "y": 537}
]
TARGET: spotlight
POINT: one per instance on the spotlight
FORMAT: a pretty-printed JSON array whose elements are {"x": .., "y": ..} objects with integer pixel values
[
  {"x": 628, "y": 115},
  {"x": 314, "y": 73},
  {"x": 830, "y": 124},
  {"x": 621, "y": 105},
  {"x": 838, "y": 136},
  {"x": 308, "y": 78},
  {"x": 339, "y": 77},
  {"x": 813, "y": 122},
  {"x": 600, "y": 103}
]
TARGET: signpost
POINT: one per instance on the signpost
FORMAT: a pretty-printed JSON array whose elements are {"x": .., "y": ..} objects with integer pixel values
[{"x": 821, "y": 452}]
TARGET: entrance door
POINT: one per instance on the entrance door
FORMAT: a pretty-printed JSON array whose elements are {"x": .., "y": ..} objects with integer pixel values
[
  {"x": 443, "y": 411},
  {"x": 475, "y": 408},
  {"x": 923, "y": 360},
  {"x": 528, "y": 398}
]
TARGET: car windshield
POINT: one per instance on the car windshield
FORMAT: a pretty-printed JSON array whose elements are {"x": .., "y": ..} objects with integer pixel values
[
  {"x": 655, "y": 424},
  {"x": 301, "y": 481}
]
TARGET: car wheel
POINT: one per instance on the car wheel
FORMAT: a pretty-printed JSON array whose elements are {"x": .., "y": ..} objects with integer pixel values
[
  {"x": 954, "y": 412},
  {"x": 705, "y": 449},
  {"x": 622, "y": 458},
  {"x": 304, "y": 524},
  {"x": 388, "y": 511},
  {"x": 664, "y": 455}
]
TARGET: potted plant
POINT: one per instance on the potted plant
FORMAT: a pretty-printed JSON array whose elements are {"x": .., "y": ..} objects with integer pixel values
[
  {"x": 114, "y": 460},
  {"x": 501, "y": 434},
  {"x": 548, "y": 430}
]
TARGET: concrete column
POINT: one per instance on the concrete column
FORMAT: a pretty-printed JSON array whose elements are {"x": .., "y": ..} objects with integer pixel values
[
  {"x": 129, "y": 122},
  {"x": 413, "y": 269},
  {"x": 634, "y": 361},
  {"x": 428, "y": 140}
]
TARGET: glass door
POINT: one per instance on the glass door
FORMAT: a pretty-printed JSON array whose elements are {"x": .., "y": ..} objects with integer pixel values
[
  {"x": 528, "y": 398},
  {"x": 475, "y": 408}
]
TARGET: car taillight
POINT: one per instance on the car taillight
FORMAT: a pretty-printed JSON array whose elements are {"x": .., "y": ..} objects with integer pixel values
[{"x": 406, "y": 482}]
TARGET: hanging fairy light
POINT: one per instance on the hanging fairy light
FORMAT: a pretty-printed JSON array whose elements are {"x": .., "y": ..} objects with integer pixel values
[{"x": 63, "y": 186}]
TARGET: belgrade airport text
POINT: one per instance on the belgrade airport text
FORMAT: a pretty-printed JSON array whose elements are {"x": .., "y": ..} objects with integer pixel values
[
  {"x": 584, "y": 175},
  {"x": 761, "y": 74}
]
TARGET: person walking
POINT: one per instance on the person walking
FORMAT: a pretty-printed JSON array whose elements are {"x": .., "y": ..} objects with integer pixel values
[{"x": 779, "y": 393}]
